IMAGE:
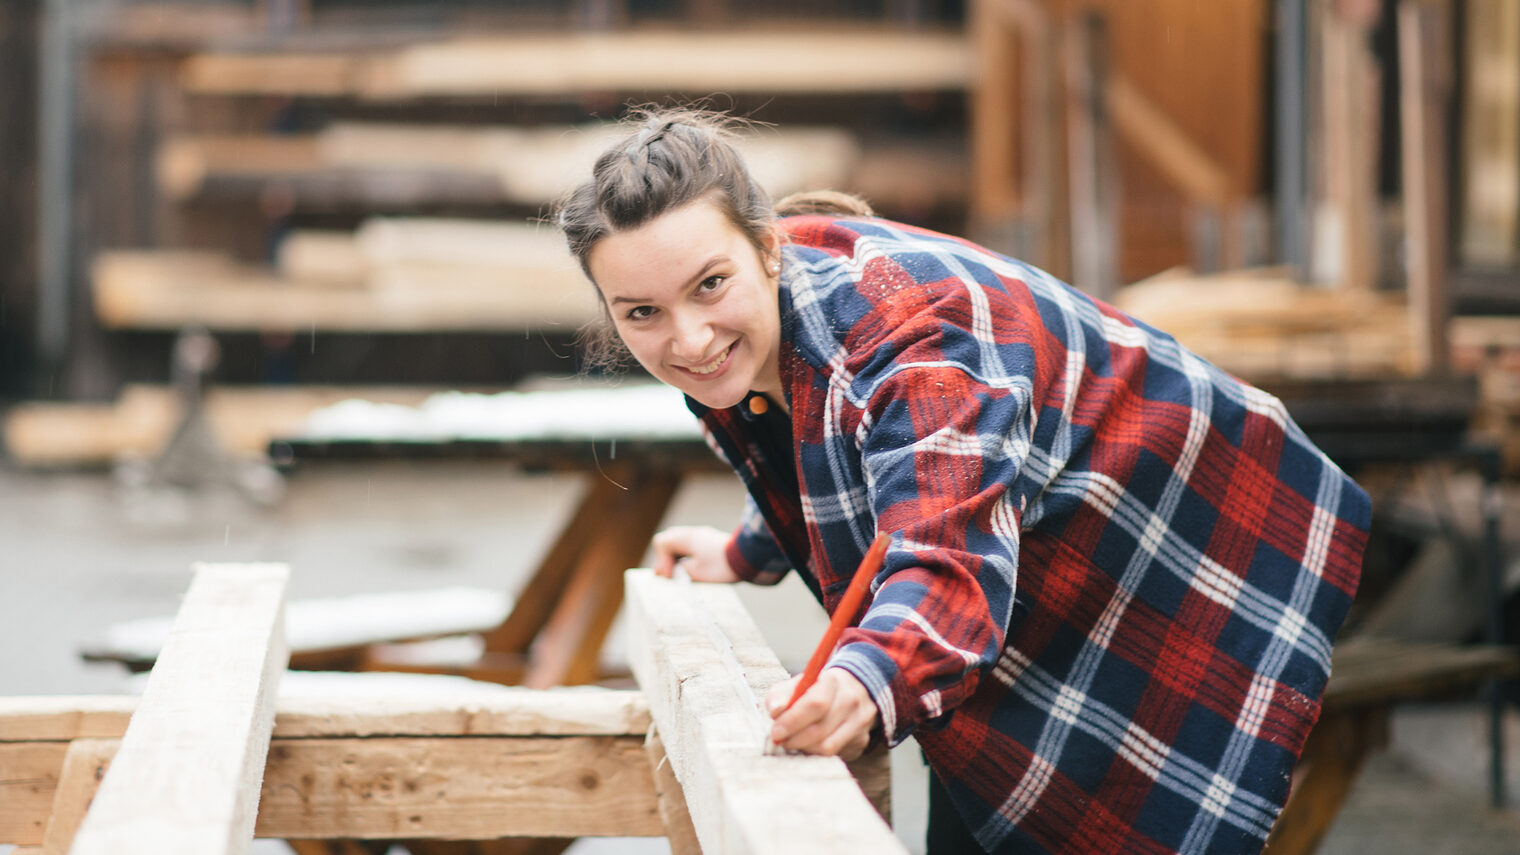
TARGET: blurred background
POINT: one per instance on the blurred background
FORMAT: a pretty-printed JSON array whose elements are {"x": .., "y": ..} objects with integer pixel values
[{"x": 267, "y": 269}]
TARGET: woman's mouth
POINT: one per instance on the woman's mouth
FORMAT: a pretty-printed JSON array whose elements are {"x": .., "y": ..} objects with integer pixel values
[{"x": 712, "y": 365}]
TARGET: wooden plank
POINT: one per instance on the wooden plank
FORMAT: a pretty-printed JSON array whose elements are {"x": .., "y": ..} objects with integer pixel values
[
  {"x": 29, "y": 773},
  {"x": 244, "y": 419},
  {"x": 374, "y": 160},
  {"x": 1424, "y": 90},
  {"x": 994, "y": 113},
  {"x": 672, "y": 801},
  {"x": 585, "y": 711},
  {"x": 186, "y": 777},
  {"x": 1490, "y": 160},
  {"x": 166, "y": 289},
  {"x": 378, "y": 787},
  {"x": 1350, "y": 82},
  {"x": 1167, "y": 146},
  {"x": 1090, "y": 168},
  {"x": 326, "y": 74},
  {"x": 84, "y": 765},
  {"x": 459, "y": 788},
  {"x": 735, "y": 792},
  {"x": 854, "y": 60},
  {"x": 734, "y": 61},
  {"x": 35, "y": 734},
  {"x": 183, "y": 163},
  {"x": 1369, "y": 672}
]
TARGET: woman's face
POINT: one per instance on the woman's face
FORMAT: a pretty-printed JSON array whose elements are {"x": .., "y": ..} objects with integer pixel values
[{"x": 695, "y": 302}]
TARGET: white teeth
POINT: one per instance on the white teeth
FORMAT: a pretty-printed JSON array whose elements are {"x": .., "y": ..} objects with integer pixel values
[{"x": 710, "y": 367}]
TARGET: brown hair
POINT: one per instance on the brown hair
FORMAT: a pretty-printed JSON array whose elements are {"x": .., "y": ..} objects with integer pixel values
[{"x": 674, "y": 156}]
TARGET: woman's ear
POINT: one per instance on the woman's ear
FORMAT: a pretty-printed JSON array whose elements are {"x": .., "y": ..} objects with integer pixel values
[{"x": 772, "y": 249}]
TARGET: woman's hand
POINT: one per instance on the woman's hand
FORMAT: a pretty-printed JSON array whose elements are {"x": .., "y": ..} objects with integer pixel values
[
  {"x": 698, "y": 549},
  {"x": 835, "y": 716}
]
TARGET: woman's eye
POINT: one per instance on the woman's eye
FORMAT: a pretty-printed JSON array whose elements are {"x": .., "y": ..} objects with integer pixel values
[
  {"x": 710, "y": 284},
  {"x": 638, "y": 313}
]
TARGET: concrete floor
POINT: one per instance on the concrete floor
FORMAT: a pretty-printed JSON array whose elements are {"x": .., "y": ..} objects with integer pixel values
[{"x": 75, "y": 556}]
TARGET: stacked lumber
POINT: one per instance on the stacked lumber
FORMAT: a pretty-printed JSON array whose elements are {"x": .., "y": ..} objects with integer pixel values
[
  {"x": 391, "y": 276},
  {"x": 528, "y": 166},
  {"x": 140, "y": 422},
  {"x": 814, "y": 60},
  {"x": 1261, "y": 324}
]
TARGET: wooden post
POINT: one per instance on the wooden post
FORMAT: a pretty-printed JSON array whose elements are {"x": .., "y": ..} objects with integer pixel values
[
  {"x": 736, "y": 795},
  {"x": 186, "y": 778},
  {"x": 994, "y": 105},
  {"x": 1093, "y": 174},
  {"x": 1350, "y": 109},
  {"x": 83, "y": 767},
  {"x": 1017, "y": 133},
  {"x": 1424, "y": 93},
  {"x": 1490, "y": 226}
]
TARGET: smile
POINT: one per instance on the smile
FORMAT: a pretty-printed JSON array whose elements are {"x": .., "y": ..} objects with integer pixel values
[{"x": 714, "y": 364}]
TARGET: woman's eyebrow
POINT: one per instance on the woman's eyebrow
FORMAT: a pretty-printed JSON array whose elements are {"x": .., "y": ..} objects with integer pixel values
[{"x": 692, "y": 280}]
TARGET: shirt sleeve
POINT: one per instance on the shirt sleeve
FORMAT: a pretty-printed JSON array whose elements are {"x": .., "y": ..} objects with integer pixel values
[
  {"x": 940, "y": 448},
  {"x": 752, "y": 552}
]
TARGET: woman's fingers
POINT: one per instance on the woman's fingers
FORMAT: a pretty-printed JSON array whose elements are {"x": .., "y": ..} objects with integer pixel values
[
  {"x": 698, "y": 549},
  {"x": 835, "y": 716}
]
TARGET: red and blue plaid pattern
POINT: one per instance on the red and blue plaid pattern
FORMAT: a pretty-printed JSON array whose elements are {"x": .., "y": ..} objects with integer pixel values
[{"x": 1116, "y": 571}]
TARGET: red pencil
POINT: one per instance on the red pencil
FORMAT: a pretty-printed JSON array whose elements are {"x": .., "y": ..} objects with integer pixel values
[{"x": 844, "y": 615}]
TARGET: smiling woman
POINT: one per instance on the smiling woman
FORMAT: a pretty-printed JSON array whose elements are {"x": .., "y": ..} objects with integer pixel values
[
  {"x": 695, "y": 301},
  {"x": 1115, "y": 571}
]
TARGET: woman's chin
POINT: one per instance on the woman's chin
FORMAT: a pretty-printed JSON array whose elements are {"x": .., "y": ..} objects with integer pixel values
[{"x": 716, "y": 399}]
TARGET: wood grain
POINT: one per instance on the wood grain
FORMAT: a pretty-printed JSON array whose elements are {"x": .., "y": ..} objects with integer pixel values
[{"x": 186, "y": 778}]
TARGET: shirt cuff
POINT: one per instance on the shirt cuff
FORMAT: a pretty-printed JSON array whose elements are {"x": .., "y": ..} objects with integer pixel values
[
  {"x": 755, "y": 558},
  {"x": 899, "y": 711}
]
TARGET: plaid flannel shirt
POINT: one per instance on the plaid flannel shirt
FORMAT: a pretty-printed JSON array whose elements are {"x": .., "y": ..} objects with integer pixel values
[{"x": 1116, "y": 571}]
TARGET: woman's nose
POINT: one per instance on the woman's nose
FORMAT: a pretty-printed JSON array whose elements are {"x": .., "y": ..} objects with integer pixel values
[{"x": 691, "y": 336}]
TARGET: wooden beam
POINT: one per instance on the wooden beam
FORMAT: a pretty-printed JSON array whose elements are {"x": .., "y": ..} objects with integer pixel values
[
  {"x": 575, "y": 754},
  {"x": 1490, "y": 162},
  {"x": 994, "y": 113},
  {"x": 169, "y": 289},
  {"x": 1351, "y": 120},
  {"x": 734, "y": 61},
  {"x": 854, "y": 60},
  {"x": 1093, "y": 176},
  {"x": 186, "y": 778},
  {"x": 1424, "y": 93},
  {"x": 361, "y": 161},
  {"x": 441, "y": 712},
  {"x": 735, "y": 793},
  {"x": 84, "y": 765},
  {"x": 1167, "y": 146},
  {"x": 143, "y": 418},
  {"x": 423, "y": 787},
  {"x": 672, "y": 801},
  {"x": 465, "y": 788}
]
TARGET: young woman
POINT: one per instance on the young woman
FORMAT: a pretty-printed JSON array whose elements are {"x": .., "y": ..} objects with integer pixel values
[{"x": 1115, "y": 572}]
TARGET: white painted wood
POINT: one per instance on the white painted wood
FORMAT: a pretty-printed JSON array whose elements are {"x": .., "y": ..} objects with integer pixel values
[
  {"x": 741, "y": 801},
  {"x": 186, "y": 779},
  {"x": 335, "y": 623}
]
